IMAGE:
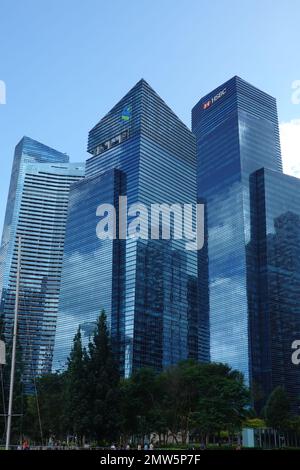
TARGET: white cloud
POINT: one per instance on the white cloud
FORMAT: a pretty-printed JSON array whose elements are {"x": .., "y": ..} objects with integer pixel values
[{"x": 290, "y": 146}]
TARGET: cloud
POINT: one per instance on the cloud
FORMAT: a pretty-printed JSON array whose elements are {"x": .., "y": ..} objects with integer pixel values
[{"x": 290, "y": 146}]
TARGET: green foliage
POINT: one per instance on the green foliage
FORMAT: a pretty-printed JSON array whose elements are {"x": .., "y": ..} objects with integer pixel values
[
  {"x": 140, "y": 409},
  {"x": 51, "y": 407},
  {"x": 90, "y": 401},
  {"x": 294, "y": 424},
  {"x": 255, "y": 423},
  {"x": 102, "y": 385},
  {"x": 185, "y": 398},
  {"x": 180, "y": 387},
  {"x": 222, "y": 399},
  {"x": 76, "y": 397},
  {"x": 277, "y": 409}
]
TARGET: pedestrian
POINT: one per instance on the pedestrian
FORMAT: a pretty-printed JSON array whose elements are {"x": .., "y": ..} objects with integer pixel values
[{"x": 25, "y": 445}]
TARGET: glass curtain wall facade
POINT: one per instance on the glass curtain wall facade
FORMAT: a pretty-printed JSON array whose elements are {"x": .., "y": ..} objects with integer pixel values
[
  {"x": 36, "y": 212},
  {"x": 153, "y": 316},
  {"x": 91, "y": 268},
  {"x": 275, "y": 250},
  {"x": 236, "y": 128}
]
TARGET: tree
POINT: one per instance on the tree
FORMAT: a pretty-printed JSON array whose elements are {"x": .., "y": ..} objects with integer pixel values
[
  {"x": 179, "y": 386},
  {"x": 76, "y": 391},
  {"x": 102, "y": 383},
  {"x": 140, "y": 404},
  {"x": 294, "y": 424},
  {"x": 277, "y": 409},
  {"x": 222, "y": 400},
  {"x": 47, "y": 406}
]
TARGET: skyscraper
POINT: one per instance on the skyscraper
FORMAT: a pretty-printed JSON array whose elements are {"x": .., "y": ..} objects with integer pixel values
[
  {"x": 236, "y": 128},
  {"x": 36, "y": 211},
  {"x": 148, "y": 288},
  {"x": 274, "y": 252}
]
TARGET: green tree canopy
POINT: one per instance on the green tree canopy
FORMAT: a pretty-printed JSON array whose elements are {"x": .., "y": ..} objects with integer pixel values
[
  {"x": 102, "y": 382},
  {"x": 140, "y": 404},
  {"x": 277, "y": 409},
  {"x": 76, "y": 392}
]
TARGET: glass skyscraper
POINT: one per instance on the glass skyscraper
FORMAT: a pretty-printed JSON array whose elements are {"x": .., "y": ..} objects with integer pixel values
[
  {"x": 274, "y": 251},
  {"x": 36, "y": 211},
  {"x": 148, "y": 288},
  {"x": 236, "y": 128}
]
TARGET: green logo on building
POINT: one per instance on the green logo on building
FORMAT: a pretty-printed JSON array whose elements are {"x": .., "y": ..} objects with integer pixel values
[{"x": 126, "y": 113}]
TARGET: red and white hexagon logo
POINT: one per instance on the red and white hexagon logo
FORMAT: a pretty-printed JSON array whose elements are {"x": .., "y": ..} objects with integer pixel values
[{"x": 206, "y": 104}]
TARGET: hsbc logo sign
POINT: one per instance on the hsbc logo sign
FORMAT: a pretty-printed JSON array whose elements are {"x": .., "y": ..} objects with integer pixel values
[
  {"x": 215, "y": 98},
  {"x": 207, "y": 104}
]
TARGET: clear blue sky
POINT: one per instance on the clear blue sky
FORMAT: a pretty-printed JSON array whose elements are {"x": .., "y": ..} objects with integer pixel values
[{"x": 66, "y": 63}]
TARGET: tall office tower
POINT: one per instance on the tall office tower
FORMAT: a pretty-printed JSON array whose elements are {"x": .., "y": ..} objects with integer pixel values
[
  {"x": 275, "y": 252},
  {"x": 236, "y": 128},
  {"x": 36, "y": 211},
  {"x": 148, "y": 288}
]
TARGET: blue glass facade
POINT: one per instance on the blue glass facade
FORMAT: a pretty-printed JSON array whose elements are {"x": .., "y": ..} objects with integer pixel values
[
  {"x": 153, "y": 313},
  {"x": 36, "y": 211},
  {"x": 236, "y": 128},
  {"x": 275, "y": 253},
  {"x": 91, "y": 267}
]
